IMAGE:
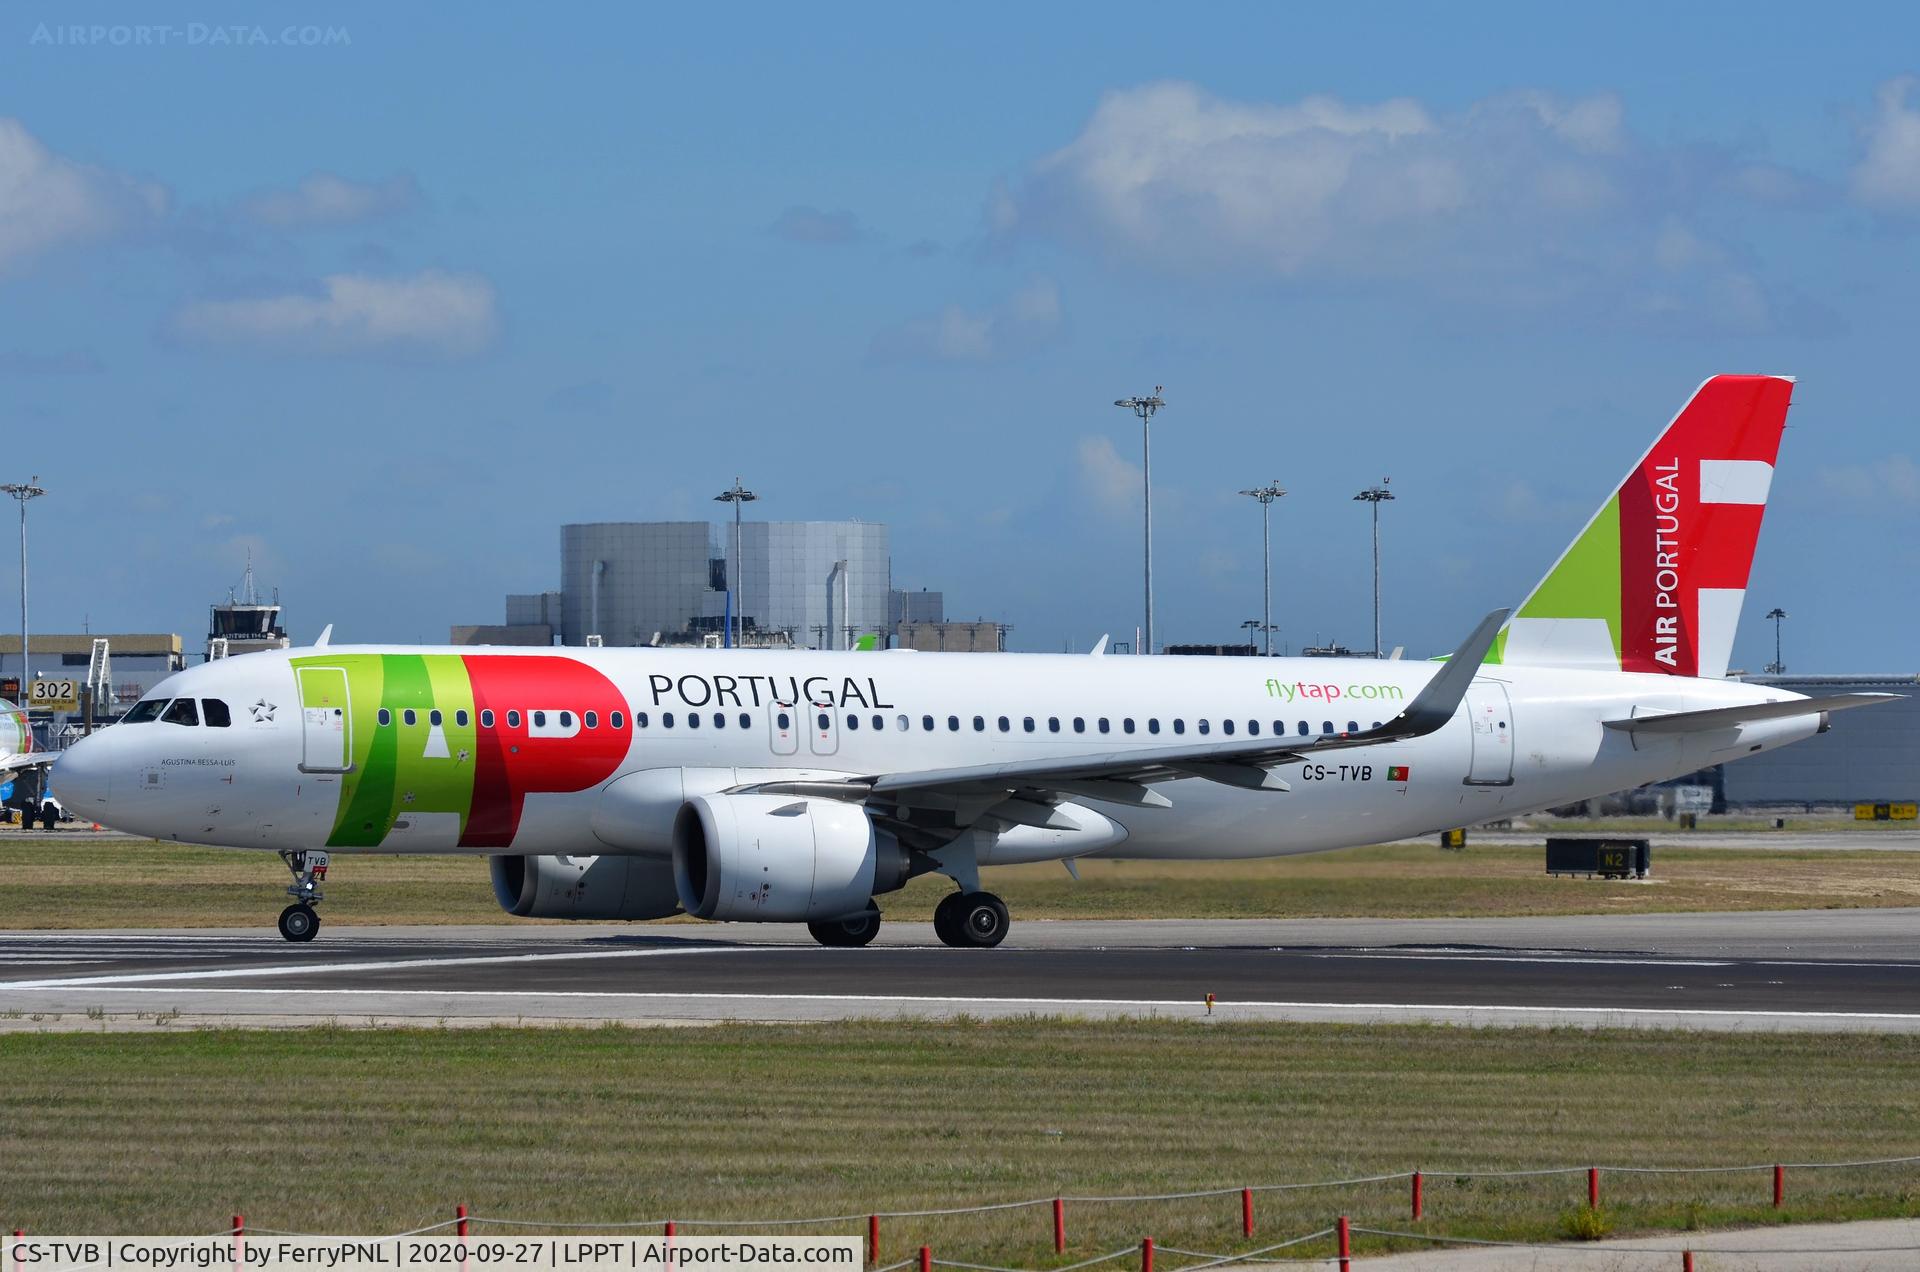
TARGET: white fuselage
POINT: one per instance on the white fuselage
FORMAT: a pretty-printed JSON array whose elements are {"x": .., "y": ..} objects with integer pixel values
[{"x": 1526, "y": 738}]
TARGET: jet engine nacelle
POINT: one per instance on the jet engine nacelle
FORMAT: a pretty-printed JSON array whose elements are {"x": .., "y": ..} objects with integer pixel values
[
  {"x": 585, "y": 887},
  {"x": 778, "y": 859}
]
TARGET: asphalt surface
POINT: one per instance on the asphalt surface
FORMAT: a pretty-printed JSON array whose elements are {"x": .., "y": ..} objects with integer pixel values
[{"x": 1818, "y": 970}]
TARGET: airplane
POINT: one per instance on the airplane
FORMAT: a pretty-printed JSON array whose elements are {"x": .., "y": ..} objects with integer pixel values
[
  {"x": 16, "y": 745},
  {"x": 797, "y": 787}
]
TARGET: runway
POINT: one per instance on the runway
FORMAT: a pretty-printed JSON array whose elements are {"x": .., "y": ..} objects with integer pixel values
[{"x": 1816, "y": 970}]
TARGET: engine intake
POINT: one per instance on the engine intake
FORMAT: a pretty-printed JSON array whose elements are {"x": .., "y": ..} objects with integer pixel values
[
  {"x": 584, "y": 887},
  {"x": 777, "y": 859}
]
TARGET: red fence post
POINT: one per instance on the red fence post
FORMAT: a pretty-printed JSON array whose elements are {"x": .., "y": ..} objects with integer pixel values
[
  {"x": 926, "y": 1259},
  {"x": 239, "y": 1225},
  {"x": 1419, "y": 1198},
  {"x": 669, "y": 1229},
  {"x": 1779, "y": 1187},
  {"x": 460, "y": 1220},
  {"x": 873, "y": 1239},
  {"x": 239, "y": 1232},
  {"x": 1059, "y": 1226},
  {"x": 1593, "y": 1187},
  {"x": 1686, "y": 1261},
  {"x": 1346, "y": 1245},
  {"x": 1246, "y": 1212},
  {"x": 1146, "y": 1254},
  {"x": 17, "y": 1234}
]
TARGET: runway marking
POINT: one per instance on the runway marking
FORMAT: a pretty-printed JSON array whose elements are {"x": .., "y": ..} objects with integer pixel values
[
  {"x": 1528, "y": 958},
  {"x": 372, "y": 965},
  {"x": 1182, "y": 1003}
]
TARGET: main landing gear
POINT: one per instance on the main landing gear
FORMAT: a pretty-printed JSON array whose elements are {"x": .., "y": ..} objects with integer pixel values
[
  {"x": 298, "y": 922},
  {"x": 970, "y": 920},
  {"x": 848, "y": 933}
]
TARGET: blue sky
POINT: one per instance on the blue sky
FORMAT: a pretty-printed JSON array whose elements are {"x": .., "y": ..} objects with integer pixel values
[{"x": 388, "y": 307}]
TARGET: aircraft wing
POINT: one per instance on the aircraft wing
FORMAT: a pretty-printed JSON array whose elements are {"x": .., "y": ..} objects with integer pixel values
[
  {"x": 1730, "y": 717},
  {"x": 1124, "y": 776}
]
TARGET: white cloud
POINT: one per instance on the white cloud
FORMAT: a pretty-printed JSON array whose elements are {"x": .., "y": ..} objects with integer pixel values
[
  {"x": 48, "y": 202},
  {"x": 1891, "y": 479},
  {"x": 1523, "y": 198},
  {"x": 324, "y": 199},
  {"x": 1024, "y": 321},
  {"x": 1114, "y": 482},
  {"x": 1888, "y": 175},
  {"x": 431, "y": 312}
]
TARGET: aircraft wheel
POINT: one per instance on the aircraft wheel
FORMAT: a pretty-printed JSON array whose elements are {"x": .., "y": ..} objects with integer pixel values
[
  {"x": 299, "y": 923},
  {"x": 980, "y": 920},
  {"x": 946, "y": 920},
  {"x": 848, "y": 933}
]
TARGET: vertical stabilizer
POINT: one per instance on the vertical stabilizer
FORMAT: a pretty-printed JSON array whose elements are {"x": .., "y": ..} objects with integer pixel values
[{"x": 1655, "y": 581}]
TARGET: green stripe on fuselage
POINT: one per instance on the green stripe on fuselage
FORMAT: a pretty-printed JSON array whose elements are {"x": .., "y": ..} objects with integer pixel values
[{"x": 400, "y": 768}]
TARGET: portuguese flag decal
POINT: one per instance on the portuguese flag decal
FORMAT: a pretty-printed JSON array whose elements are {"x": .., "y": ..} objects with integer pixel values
[{"x": 1397, "y": 772}]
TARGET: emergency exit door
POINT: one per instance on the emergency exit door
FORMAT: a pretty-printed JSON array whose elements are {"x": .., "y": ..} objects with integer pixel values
[{"x": 1490, "y": 715}]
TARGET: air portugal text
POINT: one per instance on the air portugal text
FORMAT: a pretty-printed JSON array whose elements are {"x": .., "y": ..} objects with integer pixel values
[
  {"x": 755, "y": 691},
  {"x": 1666, "y": 562}
]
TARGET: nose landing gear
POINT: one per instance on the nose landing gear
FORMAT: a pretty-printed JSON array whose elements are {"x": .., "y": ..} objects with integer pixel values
[{"x": 298, "y": 922}]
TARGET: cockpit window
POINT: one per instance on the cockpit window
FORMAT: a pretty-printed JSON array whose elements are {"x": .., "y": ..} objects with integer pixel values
[
  {"x": 181, "y": 711},
  {"x": 218, "y": 717},
  {"x": 145, "y": 711}
]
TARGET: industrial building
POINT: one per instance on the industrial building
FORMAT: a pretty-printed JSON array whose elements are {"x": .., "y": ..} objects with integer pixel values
[
  {"x": 138, "y": 661},
  {"x": 1870, "y": 755},
  {"x": 794, "y": 584}
]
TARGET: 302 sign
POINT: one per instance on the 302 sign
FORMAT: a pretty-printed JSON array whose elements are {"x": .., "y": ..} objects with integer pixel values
[{"x": 54, "y": 695}]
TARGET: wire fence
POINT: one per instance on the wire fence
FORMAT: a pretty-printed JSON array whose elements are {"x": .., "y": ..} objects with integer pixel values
[{"x": 1153, "y": 1258}]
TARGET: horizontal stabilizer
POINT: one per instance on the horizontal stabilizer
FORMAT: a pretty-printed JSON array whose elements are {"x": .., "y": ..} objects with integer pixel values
[{"x": 1733, "y": 717}]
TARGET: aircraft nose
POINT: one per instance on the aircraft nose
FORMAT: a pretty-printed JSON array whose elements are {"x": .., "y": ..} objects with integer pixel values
[{"x": 83, "y": 775}]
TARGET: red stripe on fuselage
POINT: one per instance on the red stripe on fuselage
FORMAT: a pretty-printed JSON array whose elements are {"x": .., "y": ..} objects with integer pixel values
[{"x": 510, "y": 763}]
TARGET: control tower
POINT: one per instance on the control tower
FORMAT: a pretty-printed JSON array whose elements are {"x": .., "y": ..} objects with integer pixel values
[{"x": 245, "y": 625}]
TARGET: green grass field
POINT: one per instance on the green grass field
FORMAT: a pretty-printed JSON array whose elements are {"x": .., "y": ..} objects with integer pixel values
[
  {"x": 77, "y": 881},
  {"x": 350, "y": 1131}
]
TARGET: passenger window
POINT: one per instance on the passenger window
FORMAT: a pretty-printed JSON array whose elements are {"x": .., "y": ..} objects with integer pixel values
[
  {"x": 386, "y": 717},
  {"x": 1205, "y": 727},
  {"x": 142, "y": 712},
  {"x": 1303, "y": 728},
  {"x": 853, "y": 721},
  {"x": 619, "y": 720},
  {"x": 1253, "y": 727},
  {"x": 1104, "y": 726},
  {"x": 926, "y": 723},
  {"x": 1376, "y": 724},
  {"x": 181, "y": 711},
  {"x": 460, "y": 717},
  {"x": 1226, "y": 727},
  {"x": 979, "y": 724},
  {"x": 825, "y": 722},
  {"x": 1053, "y": 724},
  {"x": 1079, "y": 724},
  {"x": 906, "y": 724},
  {"x": 953, "y": 724},
  {"x": 566, "y": 719},
  {"x": 539, "y": 719},
  {"x": 719, "y": 719},
  {"x": 1005, "y": 724},
  {"x": 666, "y": 719},
  {"x": 1153, "y": 724},
  {"x": 434, "y": 718},
  {"x": 513, "y": 719},
  {"x": 746, "y": 721},
  {"x": 1026, "y": 723},
  {"x": 1179, "y": 726},
  {"x": 1326, "y": 726},
  {"x": 216, "y": 713},
  {"x": 879, "y": 723},
  {"x": 591, "y": 719},
  {"x": 486, "y": 719},
  {"x": 693, "y": 719},
  {"x": 1353, "y": 726},
  {"x": 409, "y": 716},
  {"x": 1126, "y": 725},
  {"x": 784, "y": 720}
]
